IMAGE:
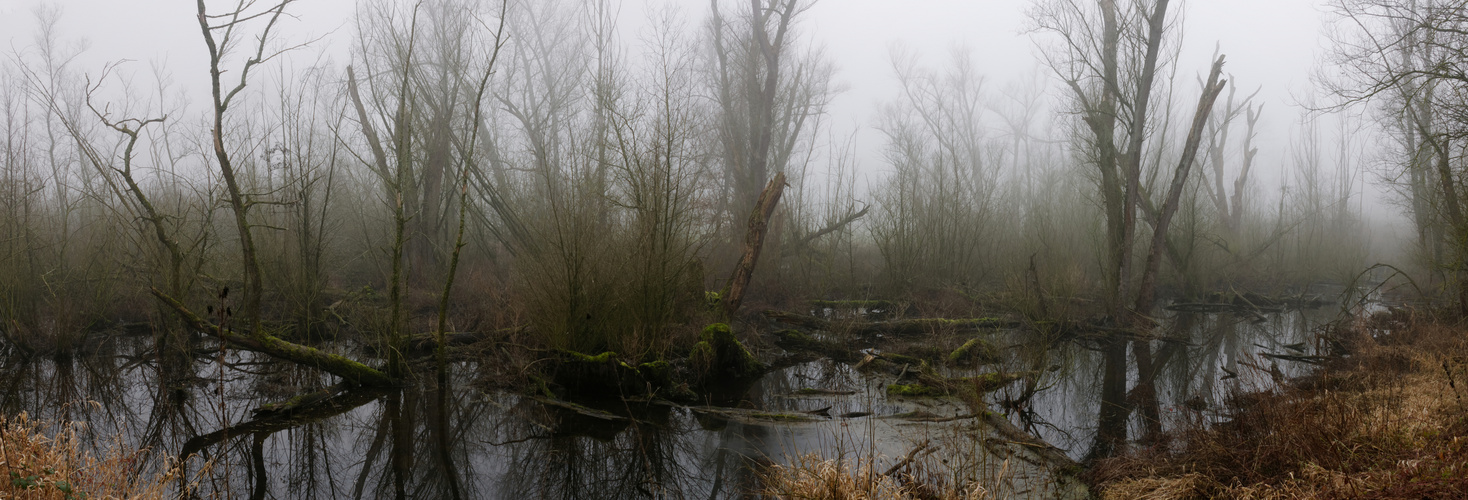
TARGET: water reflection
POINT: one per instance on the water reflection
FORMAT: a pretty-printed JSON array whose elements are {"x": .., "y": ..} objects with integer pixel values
[
  {"x": 440, "y": 437},
  {"x": 1211, "y": 356}
]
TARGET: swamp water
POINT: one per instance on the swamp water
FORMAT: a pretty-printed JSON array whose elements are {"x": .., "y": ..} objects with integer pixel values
[{"x": 422, "y": 442}]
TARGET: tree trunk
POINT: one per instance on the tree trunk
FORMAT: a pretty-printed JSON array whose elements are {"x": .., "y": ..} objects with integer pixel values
[{"x": 754, "y": 240}]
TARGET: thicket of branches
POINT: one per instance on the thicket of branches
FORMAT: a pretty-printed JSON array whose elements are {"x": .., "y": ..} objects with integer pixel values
[{"x": 595, "y": 183}]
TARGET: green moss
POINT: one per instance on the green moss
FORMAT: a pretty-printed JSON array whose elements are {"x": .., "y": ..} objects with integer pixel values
[
  {"x": 913, "y": 391},
  {"x": 729, "y": 355},
  {"x": 658, "y": 373},
  {"x": 987, "y": 382},
  {"x": 577, "y": 357},
  {"x": 701, "y": 358},
  {"x": 719, "y": 359},
  {"x": 975, "y": 351},
  {"x": 716, "y": 331},
  {"x": 784, "y": 417},
  {"x": 794, "y": 337}
]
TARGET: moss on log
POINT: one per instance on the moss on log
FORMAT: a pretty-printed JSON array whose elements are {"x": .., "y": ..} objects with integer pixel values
[
  {"x": 928, "y": 385},
  {"x": 896, "y": 327},
  {"x": 915, "y": 391},
  {"x": 349, "y": 370},
  {"x": 976, "y": 351}
]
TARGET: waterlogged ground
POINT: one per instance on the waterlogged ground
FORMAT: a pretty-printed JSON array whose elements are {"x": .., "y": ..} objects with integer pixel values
[{"x": 424, "y": 442}]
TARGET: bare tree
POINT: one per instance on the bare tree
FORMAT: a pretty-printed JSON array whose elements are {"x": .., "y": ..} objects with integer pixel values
[
  {"x": 1108, "y": 54},
  {"x": 220, "y": 34}
]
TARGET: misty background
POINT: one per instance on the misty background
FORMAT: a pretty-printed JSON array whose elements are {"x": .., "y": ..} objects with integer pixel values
[{"x": 1273, "y": 46}]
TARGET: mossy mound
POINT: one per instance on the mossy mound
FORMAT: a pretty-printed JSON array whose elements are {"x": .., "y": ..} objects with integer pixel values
[{"x": 719, "y": 358}]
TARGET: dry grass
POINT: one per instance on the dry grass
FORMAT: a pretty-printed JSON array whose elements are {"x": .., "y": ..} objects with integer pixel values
[
  {"x": 57, "y": 466},
  {"x": 1386, "y": 422},
  {"x": 813, "y": 478}
]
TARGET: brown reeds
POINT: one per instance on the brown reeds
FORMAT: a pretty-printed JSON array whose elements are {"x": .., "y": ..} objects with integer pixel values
[
  {"x": 1385, "y": 422},
  {"x": 49, "y": 461},
  {"x": 813, "y": 478}
]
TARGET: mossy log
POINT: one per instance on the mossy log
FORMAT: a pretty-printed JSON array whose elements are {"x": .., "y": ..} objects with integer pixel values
[
  {"x": 301, "y": 401},
  {"x": 579, "y": 409},
  {"x": 1057, "y": 458},
  {"x": 974, "y": 352},
  {"x": 755, "y": 416},
  {"x": 900, "y": 327},
  {"x": 349, "y": 370},
  {"x": 928, "y": 385}
]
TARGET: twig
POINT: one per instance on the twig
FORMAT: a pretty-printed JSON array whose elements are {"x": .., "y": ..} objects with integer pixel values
[{"x": 907, "y": 460}]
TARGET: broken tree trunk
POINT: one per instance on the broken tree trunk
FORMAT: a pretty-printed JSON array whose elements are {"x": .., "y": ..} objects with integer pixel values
[
  {"x": 349, "y": 370},
  {"x": 754, "y": 240}
]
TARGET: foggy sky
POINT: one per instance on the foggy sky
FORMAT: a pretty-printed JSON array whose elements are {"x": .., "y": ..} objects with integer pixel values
[{"x": 1271, "y": 44}]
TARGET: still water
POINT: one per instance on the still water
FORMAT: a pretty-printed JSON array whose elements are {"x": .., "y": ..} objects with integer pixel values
[{"x": 442, "y": 437}]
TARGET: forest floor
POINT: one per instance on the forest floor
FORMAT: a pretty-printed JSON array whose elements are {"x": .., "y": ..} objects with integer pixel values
[{"x": 1386, "y": 420}]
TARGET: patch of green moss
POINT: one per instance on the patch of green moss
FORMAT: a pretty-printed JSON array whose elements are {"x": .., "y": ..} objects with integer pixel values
[
  {"x": 587, "y": 358},
  {"x": 701, "y": 357},
  {"x": 729, "y": 355},
  {"x": 987, "y": 382},
  {"x": 783, "y": 417},
  {"x": 793, "y": 336},
  {"x": 903, "y": 359},
  {"x": 975, "y": 351},
  {"x": 658, "y": 373},
  {"x": 913, "y": 391}
]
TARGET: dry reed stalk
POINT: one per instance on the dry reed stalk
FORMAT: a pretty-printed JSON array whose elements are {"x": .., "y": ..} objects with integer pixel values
[{"x": 59, "y": 466}]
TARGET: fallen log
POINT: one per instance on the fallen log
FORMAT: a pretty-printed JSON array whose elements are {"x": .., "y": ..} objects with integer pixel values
[
  {"x": 1314, "y": 360},
  {"x": 349, "y": 370},
  {"x": 906, "y": 460},
  {"x": 1009, "y": 432},
  {"x": 895, "y": 327}
]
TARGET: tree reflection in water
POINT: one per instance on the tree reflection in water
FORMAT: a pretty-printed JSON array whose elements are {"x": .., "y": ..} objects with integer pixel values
[{"x": 441, "y": 437}]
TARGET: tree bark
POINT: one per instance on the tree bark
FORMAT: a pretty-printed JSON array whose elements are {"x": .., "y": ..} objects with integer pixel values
[
  {"x": 1146, "y": 290},
  {"x": 754, "y": 240}
]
